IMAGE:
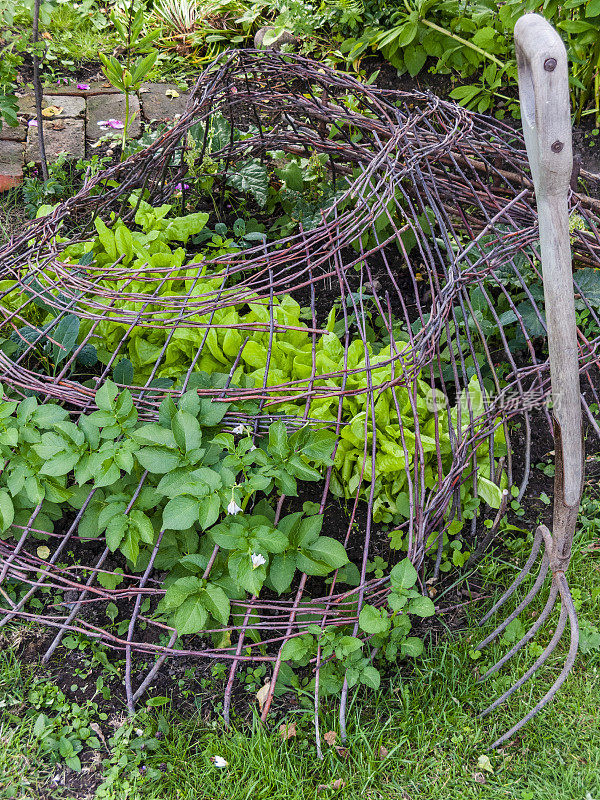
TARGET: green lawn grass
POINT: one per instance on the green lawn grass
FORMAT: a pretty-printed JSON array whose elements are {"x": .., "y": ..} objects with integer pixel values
[{"x": 424, "y": 718}]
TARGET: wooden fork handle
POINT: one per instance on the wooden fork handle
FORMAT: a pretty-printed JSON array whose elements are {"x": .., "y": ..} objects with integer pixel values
[{"x": 545, "y": 110}]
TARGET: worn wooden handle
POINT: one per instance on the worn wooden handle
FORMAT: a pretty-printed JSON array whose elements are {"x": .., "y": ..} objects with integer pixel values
[
  {"x": 545, "y": 111},
  {"x": 545, "y": 108}
]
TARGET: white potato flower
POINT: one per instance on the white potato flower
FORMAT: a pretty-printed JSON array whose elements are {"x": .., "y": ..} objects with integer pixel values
[
  {"x": 257, "y": 560},
  {"x": 233, "y": 507}
]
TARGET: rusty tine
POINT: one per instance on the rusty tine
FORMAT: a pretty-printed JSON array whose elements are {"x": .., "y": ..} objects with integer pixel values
[
  {"x": 544, "y": 96},
  {"x": 522, "y": 605},
  {"x": 537, "y": 543}
]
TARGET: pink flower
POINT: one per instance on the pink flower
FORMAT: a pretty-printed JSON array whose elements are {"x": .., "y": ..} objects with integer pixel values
[
  {"x": 111, "y": 123},
  {"x": 32, "y": 123},
  {"x": 181, "y": 186},
  {"x": 83, "y": 86}
]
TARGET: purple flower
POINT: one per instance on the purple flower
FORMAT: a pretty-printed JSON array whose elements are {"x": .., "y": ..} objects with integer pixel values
[
  {"x": 32, "y": 123},
  {"x": 111, "y": 123},
  {"x": 181, "y": 186},
  {"x": 62, "y": 80},
  {"x": 83, "y": 86}
]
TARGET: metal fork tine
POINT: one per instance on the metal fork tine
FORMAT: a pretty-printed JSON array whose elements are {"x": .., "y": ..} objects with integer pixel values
[
  {"x": 522, "y": 605},
  {"x": 566, "y": 603},
  {"x": 537, "y": 543},
  {"x": 562, "y": 621},
  {"x": 528, "y": 636}
]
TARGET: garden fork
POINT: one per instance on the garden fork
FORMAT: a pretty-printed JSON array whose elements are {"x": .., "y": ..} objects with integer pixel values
[{"x": 545, "y": 112}]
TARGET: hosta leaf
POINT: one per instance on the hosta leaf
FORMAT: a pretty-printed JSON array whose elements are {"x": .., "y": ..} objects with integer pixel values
[
  {"x": 252, "y": 178},
  {"x": 87, "y": 356},
  {"x": 588, "y": 280},
  {"x": 65, "y": 335},
  {"x": 123, "y": 372}
]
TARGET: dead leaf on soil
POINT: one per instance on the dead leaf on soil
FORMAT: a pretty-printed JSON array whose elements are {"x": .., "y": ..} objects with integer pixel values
[
  {"x": 172, "y": 94},
  {"x": 483, "y": 762},
  {"x": 43, "y": 552},
  {"x": 330, "y": 737},
  {"x": 287, "y": 731},
  {"x": 335, "y": 785},
  {"x": 262, "y": 695},
  {"x": 383, "y": 752},
  {"x": 52, "y": 111},
  {"x": 98, "y": 731},
  {"x": 225, "y": 640},
  {"x": 342, "y": 752}
]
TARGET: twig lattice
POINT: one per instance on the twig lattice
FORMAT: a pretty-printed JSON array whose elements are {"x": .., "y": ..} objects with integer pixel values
[{"x": 432, "y": 169}]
